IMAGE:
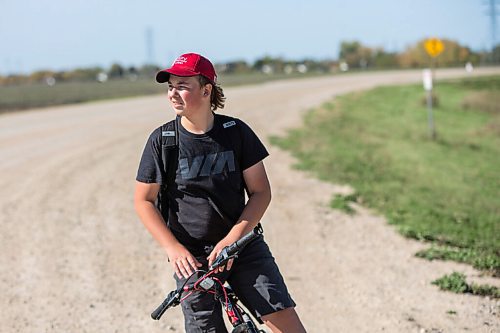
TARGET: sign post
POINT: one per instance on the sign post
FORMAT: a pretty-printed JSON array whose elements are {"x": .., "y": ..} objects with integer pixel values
[
  {"x": 427, "y": 80},
  {"x": 434, "y": 47}
]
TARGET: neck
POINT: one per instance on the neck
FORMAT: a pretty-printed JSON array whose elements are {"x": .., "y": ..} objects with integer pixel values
[{"x": 198, "y": 123}]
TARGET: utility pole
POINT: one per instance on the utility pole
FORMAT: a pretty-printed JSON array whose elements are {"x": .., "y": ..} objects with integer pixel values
[
  {"x": 492, "y": 13},
  {"x": 149, "y": 46}
]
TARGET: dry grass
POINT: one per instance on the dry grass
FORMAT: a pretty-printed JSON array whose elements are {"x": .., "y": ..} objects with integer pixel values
[{"x": 486, "y": 101}]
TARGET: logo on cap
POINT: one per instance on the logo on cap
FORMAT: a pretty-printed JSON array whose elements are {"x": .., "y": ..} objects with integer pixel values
[{"x": 180, "y": 60}]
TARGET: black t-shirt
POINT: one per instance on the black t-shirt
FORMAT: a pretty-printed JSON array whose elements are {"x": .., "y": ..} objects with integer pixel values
[{"x": 208, "y": 197}]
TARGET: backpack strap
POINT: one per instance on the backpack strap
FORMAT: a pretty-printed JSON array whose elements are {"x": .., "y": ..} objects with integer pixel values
[
  {"x": 170, "y": 148},
  {"x": 170, "y": 160},
  {"x": 232, "y": 129}
]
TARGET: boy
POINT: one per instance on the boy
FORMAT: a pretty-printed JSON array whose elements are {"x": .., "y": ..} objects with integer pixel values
[{"x": 203, "y": 209}]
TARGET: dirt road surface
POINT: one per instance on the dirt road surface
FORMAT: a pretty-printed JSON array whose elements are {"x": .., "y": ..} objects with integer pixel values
[{"x": 75, "y": 258}]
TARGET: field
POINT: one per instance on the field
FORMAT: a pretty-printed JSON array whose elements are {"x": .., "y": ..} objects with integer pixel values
[
  {"x": 443, "y": 191},
  {"x": 20, "y": 97}
]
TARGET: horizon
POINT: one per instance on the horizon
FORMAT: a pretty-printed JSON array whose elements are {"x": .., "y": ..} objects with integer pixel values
[
  {"x": 333, "y": 58},
  {"x": 77, "y": 35}
]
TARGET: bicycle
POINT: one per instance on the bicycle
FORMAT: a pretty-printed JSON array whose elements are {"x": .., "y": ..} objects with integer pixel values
[{"x": 241, "y": 321}]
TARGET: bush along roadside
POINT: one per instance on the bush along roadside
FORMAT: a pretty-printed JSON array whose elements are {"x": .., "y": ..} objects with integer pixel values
[{"x": 456, "y": 282}]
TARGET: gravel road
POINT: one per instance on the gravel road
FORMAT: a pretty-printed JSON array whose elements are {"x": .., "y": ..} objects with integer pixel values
[{"x": 75, "y": 258}]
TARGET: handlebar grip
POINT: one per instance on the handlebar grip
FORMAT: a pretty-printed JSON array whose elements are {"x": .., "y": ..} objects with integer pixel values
[
  {"x": 171, "y": 300},
  {"x": 233, "y": 249},
  {"x": 244, "y": 241}
]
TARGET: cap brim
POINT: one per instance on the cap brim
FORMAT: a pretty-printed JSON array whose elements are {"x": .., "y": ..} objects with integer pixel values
[{"x": 164, "y": 75}]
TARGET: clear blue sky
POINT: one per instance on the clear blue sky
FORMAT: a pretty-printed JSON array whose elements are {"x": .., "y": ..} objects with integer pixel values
[{"x": 63, "y": 34}]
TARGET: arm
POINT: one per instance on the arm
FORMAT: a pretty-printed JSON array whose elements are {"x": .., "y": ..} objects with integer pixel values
[
  {"x": 259, "y": 197},
  {"x": 181, "y": 259}
]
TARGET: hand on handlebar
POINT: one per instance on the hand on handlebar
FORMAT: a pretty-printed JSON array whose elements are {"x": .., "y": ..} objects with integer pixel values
[
  {"x": 216, "y": 252},
  {"x": 182, "y": 261}
]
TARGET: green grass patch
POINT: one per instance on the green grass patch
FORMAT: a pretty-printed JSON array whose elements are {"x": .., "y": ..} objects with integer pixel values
[
  {"x": 343, "y": 203},
  {"x": 481, "y": 261},
  {"x": 456, "y": 282},
  {"x": 28, "y": 96},
  {"x": 445, "y": 191}
]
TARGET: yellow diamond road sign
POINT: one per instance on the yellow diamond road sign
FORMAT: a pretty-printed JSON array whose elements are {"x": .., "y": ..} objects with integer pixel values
[{"x": 434, "y": 47}]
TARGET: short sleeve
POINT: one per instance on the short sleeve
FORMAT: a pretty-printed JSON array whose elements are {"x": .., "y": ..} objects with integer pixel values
[
  {"x": 253, "y": 150},
  {"x": 151, "y": 168}
]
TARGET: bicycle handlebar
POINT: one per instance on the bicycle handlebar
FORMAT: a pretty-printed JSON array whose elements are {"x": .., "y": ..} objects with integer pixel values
[
  {"x": 245, "y": 240},
  {"x": 233, "y": 249},
  {"x": 173, "y": 298}
]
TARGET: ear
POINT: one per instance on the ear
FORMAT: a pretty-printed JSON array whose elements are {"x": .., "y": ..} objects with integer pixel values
[{"x": 207, "y": 90}]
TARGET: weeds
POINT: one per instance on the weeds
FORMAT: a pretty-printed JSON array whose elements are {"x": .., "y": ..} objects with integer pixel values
[
  {"x": 486, "y": 101},
  {"x": 343, "y": 203},
  {"x": 456, "y": 282},
  {"x": 482, "y": 261}
]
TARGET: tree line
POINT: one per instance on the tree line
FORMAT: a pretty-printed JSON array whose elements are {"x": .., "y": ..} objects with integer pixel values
[{"x": 353, "y": 55}]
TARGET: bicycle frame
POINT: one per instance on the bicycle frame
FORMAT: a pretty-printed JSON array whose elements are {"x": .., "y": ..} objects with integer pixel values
[{"x": 239, "y": 318}]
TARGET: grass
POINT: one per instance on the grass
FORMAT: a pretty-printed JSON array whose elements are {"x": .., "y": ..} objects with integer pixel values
[
  {"x": 445, "y": 191},
  {"x": 456, "y": 282},
  {"x": 343, "y": 203},
  {"x": 481, "y": 261},
  {"x": 26, "y": 96}
]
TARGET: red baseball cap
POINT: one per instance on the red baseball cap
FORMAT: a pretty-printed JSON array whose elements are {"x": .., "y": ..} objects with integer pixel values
[{"x": 189, "y": 64}]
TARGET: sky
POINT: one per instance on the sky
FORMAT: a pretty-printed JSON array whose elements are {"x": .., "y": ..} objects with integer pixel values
[{"x": 65, "y": 34}]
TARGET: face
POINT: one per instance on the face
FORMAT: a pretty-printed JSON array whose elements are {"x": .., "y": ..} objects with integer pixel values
[{"x": 187, "y": 96}]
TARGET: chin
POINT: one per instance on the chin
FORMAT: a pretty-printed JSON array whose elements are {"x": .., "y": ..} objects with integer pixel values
[{"x": 178, "y": 110}]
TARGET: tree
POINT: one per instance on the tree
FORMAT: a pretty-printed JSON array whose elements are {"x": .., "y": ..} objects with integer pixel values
[
  {"x": 269, "y": 65},
  {"x": 148, "y": 70},
  {"x": 355, "y": 54},
  {"x": 82, "y": 74},
  {"x": 116, "y": 71},
  {"x": 453, "y": 54},
  {"x": 382, "y": 59},
  {"x": 40, "y": 76},
  {"x": 238, "y": 66}
]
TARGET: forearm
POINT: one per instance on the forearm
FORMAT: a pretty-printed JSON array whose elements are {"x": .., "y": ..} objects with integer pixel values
[
  {"x": 154, "y": 223},
  {"x": 252, "y": 214}
]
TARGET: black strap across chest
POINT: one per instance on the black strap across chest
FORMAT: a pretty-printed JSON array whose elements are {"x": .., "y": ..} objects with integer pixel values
[
  {"x": 170, "y": 154},
  {"x": 170, "y": 148}
]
